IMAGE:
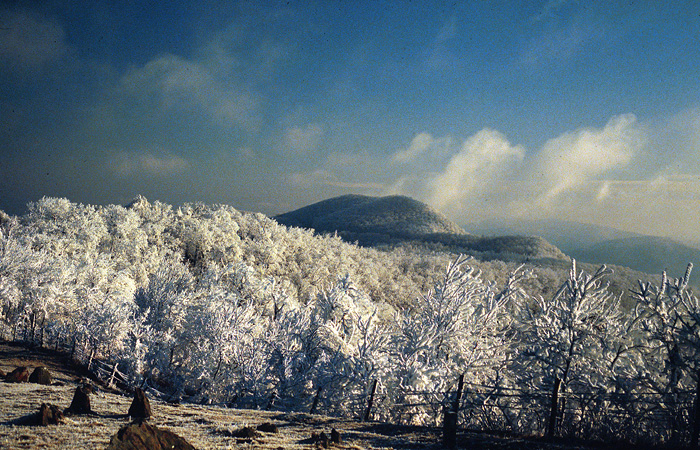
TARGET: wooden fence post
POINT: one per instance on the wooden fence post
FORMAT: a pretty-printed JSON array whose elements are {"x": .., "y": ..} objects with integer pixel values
[
  {"x": 92, "y": 353},
  {"x": 696, "y": 417},
  {"x": 450, "y": 416},
  {"x": 111, "y": 378},
  {"x": 271, "y": 403},
  {"x": 458, "y": 399},
  {"x": 368, "y": 412},
  {"x": 553, "y": 412},
  {"x": 315, "y": 403},
  {"x": 449, "y": 428}
]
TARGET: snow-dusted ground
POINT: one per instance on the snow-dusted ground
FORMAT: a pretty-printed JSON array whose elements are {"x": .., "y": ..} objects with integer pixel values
[{"x": 205, "y": 427}]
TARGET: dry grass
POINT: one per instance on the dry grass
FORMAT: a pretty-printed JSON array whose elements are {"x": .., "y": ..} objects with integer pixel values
[{"x": 205, "y": 427}]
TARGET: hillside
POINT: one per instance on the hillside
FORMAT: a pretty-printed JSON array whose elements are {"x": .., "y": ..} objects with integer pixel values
[
  {"x": 644, "y": 253},
  {"x": 387, "y": 222},
  {"x": 566, "y": 235},
  {"x": 394, "y": 215},
  {"x": 596, "y": 244},
  {"x": 217, "y": 306}
]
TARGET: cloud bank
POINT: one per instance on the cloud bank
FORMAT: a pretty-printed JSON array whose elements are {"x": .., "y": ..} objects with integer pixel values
[{"x": 590, "y": 175}]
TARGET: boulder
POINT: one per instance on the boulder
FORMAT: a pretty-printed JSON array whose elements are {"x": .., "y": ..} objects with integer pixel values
[
  {"x": 142, "y": 436},
  {"x": 49, "y": 415},
  {"x": 140, "y": 407},
  {"x": 320, "y": 440},
  {"x": 81, "y": 401},
  {"x": 19, "y": 375},
  {"x": 268, "y": 427},
  {"x": 41, "y": 375},
  {"x": 335, "y": 436}
]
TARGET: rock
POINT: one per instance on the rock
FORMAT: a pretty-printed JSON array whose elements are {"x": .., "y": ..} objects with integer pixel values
[
  {"x": 49, "y": 415},
  {"x": 335, "y": 436},
  {"x": 320, "y": 440},
  {"x": 268, "y": 427},
  {"x": 19, "y": 375},
  {"x": 2, "y": 374},
  {"x": 140, "y": 407},
  {"x": 41, "y": 375},
  {"x": 81, "y": 401},
  {"x": 142, "y": 436},
  {"x": 246, "y": 433}
]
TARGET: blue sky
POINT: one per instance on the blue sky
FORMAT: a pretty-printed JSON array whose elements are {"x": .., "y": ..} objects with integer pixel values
[{"x": 584, "y": 111}]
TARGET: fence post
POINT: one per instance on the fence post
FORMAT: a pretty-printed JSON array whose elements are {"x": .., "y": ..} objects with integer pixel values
[
  {"x": 450, "y": 416},
  {"x": 92, "y": 353},
  {"x": 271, "y": 403},
  {"x": 368, "y": 412},
  {"x": 458, "y": 399},
  {"x": 553, "y": 412},
  {"x": 449, "y": 428},
  {"x": 111, "y": 378},
  {"x": 315, "y": 403},
  {"x": 696, "y": 417}
]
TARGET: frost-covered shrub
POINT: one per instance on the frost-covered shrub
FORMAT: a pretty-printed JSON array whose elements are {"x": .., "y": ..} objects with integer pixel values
[
  {"x": 462, "y": 326},
  {"x": 574, "y": 337}
]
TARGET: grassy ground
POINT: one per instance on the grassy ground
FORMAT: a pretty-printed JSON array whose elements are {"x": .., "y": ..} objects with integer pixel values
[{"x": 205, "y": 427}]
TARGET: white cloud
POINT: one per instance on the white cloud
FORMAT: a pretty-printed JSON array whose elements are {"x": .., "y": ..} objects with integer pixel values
[
  {"x": 27, "y": 40},
  {"x": 488, "y": 176},
  {"x": 423, "y": 145},
  {"x": 178, "y": 83},
  {"x": 302, "y": 140},
  {"x": 127, "y": 164},
  {"x": 573, "y": 158},
  {"x": 482, "y": 160}
]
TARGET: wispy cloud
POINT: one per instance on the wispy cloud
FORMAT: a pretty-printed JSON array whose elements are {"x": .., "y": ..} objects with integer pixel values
[
  {"x": 422, "y": 144},
  {"x": 28, "y": 40},
  {"x": 300, "y": 140},
  {"x": 128, "y": 164},
  {"x": 178, "y": 83}
]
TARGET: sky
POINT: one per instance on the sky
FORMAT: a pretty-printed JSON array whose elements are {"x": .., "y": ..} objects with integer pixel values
[{"x": 587, "y": 111}]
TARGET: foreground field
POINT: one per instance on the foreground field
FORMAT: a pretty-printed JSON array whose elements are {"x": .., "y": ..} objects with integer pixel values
[{"x": 205, "y": 427}]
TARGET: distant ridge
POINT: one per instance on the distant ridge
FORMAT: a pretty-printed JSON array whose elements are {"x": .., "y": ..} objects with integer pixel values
[
  {"x": 597, "y": 244},
  {"x": 397, "y": 220},
  {"x": 394, "y": 215},
  {"x": 648, "y": 254}
]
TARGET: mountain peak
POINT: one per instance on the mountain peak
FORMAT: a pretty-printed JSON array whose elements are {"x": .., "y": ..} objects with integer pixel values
[{"x": 392, "y": 215}]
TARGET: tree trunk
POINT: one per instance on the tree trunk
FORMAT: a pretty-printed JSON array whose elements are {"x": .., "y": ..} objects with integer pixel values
[{"x": 551, "y": 430}]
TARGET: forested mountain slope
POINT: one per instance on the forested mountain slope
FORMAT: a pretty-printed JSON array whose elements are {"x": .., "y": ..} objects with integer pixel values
[
  {"x": 386, "y": 222},
  {"x": 392, "y": 215}
]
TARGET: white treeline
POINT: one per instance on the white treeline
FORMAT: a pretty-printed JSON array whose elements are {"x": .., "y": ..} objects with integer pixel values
[{"x": 211, "y": 304}]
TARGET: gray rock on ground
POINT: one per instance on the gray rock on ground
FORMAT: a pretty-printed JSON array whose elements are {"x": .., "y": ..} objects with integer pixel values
[
  {"x": 41, "y": 375},
  {"x": 19, "y": 375},
  {"x": 142, "y": 436},
  {"x": 140, "y": 407}
]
